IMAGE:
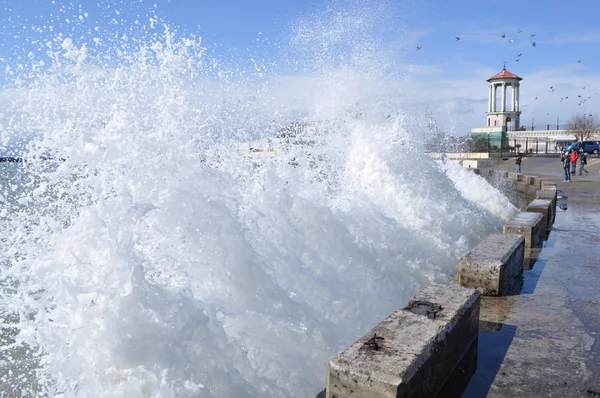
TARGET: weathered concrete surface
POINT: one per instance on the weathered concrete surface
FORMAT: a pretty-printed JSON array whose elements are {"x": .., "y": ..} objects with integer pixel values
[
  {"x": 533, "y": 181},
  {"x": 547, "y": 193},
  {"x": 515, "y": 176},
  {"x": 548, "y": 184},
  {"x": 551, "y": 195},
  {"x": 493, "y": 265},
  {"x": 544, "y": 207},
  {"x": 545, "y": 342},
  {"x": 417, "y": 353},
  {"x": 527, "y": 184},
  {"x": 529, "y": 225}
]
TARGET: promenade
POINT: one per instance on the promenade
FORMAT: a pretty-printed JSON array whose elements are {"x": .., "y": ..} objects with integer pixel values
[{"x": 545, "y": 340}]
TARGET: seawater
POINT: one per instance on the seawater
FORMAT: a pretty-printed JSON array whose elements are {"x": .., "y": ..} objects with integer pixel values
[{"x": 156, "y": 257}]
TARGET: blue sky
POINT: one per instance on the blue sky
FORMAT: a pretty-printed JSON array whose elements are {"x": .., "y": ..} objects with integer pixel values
[{"x": 448, "y": 75}]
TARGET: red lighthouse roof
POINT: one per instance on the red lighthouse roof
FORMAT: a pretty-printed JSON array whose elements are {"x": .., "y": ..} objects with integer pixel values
[{"x": 504, "y": 74}]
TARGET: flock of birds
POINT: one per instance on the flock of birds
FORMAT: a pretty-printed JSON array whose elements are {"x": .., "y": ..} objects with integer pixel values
[
  {"x": 582, "y": 100},
  {"x": 580, "y": 97},
  {"x": 503, "y": 35}
]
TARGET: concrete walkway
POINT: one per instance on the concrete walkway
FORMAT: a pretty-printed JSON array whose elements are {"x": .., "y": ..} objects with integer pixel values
[{"x": 545, "y": 341}]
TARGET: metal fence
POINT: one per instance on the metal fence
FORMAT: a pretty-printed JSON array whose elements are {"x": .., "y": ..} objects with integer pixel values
[
  {"x": 542, "y": 127},
  {"x": 538, "y": 145}
]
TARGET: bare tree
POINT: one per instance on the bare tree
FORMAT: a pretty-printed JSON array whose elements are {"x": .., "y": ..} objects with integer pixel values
[{"x": 583, "y": 126}]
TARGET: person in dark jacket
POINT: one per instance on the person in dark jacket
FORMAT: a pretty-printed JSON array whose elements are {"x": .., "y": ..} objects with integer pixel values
[
  {"x": 567, "y": 167},
  {"x": 582, "y": 163},
  {"x": 518, "y": 163}
]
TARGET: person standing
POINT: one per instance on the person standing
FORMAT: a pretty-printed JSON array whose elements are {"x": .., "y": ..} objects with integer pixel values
[
  {"x": 582, "y": 163},
  {"x": 567, "y": 167},
  {"x": 574, "y": 157},
  {"x": 518, "y": 163}
]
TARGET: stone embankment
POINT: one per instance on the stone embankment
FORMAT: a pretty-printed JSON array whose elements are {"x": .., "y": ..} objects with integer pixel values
[{"x": 430, "y": 347}]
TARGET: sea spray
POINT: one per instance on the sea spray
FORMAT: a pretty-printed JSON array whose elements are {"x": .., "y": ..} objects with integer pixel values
[{"x": 154, "y": 257}]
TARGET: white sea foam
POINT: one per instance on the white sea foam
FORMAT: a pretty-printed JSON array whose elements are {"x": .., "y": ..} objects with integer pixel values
[
  {"x": 159, "y": 260},
  {"x": 477, "y": 189}
]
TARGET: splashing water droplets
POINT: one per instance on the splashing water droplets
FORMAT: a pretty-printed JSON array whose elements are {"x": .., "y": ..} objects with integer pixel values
[{"x": 211, "y": 230}]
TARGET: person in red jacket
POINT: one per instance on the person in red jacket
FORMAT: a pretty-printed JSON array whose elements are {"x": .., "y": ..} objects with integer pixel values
[{"x": 574, "y": 157}]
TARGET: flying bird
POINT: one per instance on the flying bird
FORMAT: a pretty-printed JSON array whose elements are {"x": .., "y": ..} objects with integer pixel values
[
  {"x": 503, "y": 36},
  {"x": 519, "y": 30},
  {"x": 517, "y": 60},
  {"x": 535, "y": 97},
  {"x": 511, "y": 40},
  {"x": 533, "y": 43},
  {"x": 457, "y": 38},
  {"x": 532, "y": 35},
  {"x": 418, "y": 48},
  {"x": 579, "y": 61},
  {"x": 518, "y": 55}
]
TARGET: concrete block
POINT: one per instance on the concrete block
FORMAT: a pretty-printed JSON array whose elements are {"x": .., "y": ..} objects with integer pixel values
[
  {"x": 413, "y": 351},
  {"x": 459, "y": 381},
  {"x": 525, "y": 188},
  {"x": 494, "y": 264},
  {"x": 543, "y": 206},
  {"x": 549, "y": 194},
  {"x": 529, "y": 225},
  {"x": 533, "y": 181},
  {"x": 469, "y": 164},
  {"x": 547, "y": 184}
]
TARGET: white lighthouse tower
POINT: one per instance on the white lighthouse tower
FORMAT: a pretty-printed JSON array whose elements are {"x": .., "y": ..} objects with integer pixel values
[{"x": 504, "y": 113}]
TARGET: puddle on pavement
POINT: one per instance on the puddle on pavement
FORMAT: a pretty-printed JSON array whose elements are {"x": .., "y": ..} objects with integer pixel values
[
  {"x": 563, "y": 205},
  {"x": 561, "y": 200},
  {"x": 494, "y": 340}
]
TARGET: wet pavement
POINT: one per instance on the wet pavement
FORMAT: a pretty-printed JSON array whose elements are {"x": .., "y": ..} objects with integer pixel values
[{"x": 544, "y": 340}]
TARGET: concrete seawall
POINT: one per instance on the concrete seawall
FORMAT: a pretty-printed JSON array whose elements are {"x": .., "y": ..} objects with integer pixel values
[
  {"x": 405, "y": 355},
  {"x": 545, "y": 340}
]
